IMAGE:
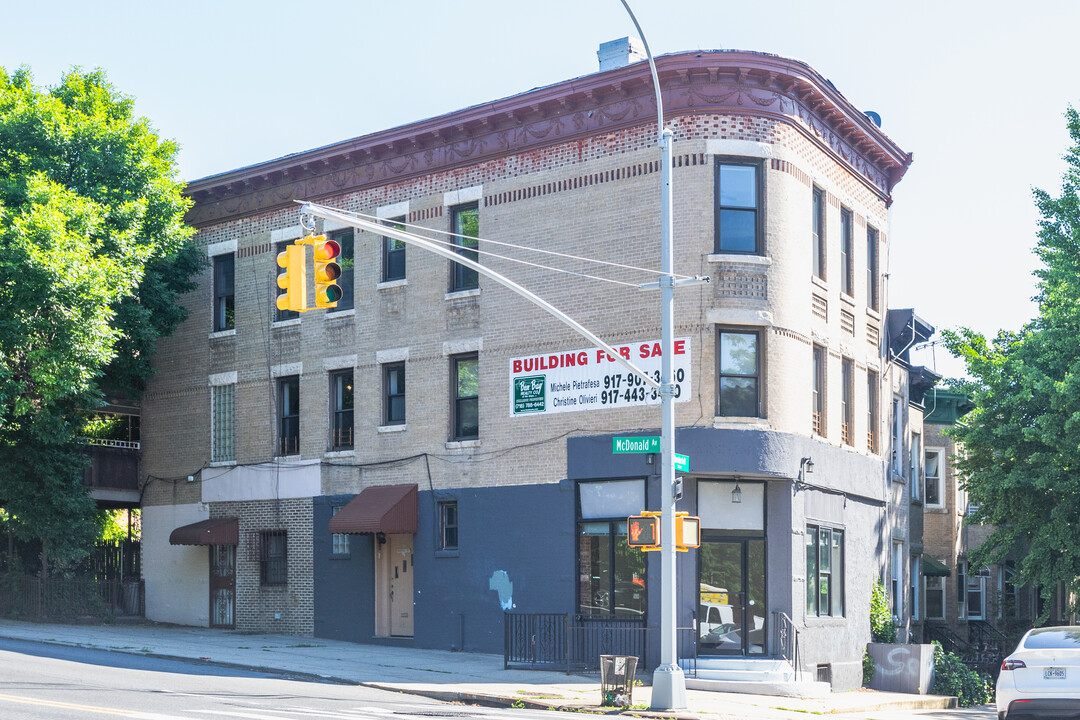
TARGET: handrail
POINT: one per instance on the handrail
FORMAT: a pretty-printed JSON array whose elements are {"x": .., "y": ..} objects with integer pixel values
[{"x": 786, "y": 639}]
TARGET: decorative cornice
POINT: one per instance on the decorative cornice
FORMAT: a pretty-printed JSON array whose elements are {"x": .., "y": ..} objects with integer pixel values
[{"x": 692, "y": 83}]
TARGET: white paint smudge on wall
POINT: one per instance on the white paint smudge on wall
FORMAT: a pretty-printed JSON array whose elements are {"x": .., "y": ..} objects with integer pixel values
[{"x": 500, "y": 583}]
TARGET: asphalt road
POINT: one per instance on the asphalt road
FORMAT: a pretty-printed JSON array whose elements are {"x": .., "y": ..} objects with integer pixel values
[{"x": 48, "y": 682}]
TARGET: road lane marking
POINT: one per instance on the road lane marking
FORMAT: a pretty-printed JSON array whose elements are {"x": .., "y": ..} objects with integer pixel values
[{"x": 56, "y": 704}]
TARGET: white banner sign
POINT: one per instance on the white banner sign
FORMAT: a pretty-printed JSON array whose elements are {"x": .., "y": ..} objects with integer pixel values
[{"x": 591, "y": 379}]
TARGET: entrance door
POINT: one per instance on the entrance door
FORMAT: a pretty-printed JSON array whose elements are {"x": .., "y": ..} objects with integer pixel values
[
  {"x": 401, "y": 584},
  {"x": 731, "y": 599},
  {"x": 222, "y": 586}
]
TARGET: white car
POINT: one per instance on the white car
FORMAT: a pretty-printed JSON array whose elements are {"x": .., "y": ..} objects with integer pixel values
[{"x": 1041, "y": 678}]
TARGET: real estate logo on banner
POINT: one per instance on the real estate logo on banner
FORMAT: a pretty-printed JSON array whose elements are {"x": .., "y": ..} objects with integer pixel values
[{"x": 592, "y": 379}]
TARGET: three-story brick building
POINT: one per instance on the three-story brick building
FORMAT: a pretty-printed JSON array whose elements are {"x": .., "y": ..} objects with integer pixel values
[{"x": 369, "y": 472}]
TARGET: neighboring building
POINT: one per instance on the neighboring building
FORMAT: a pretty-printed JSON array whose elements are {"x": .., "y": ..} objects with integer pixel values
[{"x": 380, "y": 472}]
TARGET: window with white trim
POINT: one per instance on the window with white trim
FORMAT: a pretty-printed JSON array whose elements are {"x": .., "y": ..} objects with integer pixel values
[
  {"x": 339, "y": 542},
  {"x": 935, "y": 597},
  {"x": 934, "y": 472}
]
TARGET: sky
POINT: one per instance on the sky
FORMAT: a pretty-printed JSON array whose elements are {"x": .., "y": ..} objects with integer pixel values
[{"x": 975, "y": 90}]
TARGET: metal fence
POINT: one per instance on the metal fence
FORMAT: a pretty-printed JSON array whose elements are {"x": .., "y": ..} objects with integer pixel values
[
  {"x": 32, "y": 598},
  {"x": 550, "y": 641}
]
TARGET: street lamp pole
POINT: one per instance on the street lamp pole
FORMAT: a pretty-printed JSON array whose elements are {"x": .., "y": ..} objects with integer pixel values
[{"x": 669, "y": 682}]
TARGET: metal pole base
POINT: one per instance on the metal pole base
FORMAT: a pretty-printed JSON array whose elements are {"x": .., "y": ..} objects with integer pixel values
[{"x": 668, "y": 688}]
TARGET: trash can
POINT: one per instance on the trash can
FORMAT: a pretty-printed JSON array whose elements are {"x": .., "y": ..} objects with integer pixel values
[{"x": 617, "y": 680}]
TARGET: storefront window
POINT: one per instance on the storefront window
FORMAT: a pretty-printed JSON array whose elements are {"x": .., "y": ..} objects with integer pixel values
[{"x": 611, "y": 574}]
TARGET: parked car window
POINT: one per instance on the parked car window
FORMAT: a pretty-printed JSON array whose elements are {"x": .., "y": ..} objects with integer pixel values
[{"x": 1053, "y": 639}]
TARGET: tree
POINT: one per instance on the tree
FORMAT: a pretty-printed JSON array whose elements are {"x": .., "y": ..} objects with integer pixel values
[
  {"x": 93, "y": 255},
  {"x": 1022, "y": 441}
]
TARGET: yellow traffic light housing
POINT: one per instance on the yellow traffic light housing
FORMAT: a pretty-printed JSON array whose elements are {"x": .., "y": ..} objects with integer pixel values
[
  {"x": 327, "y": 292},
  {"x": 294, "y": 280},
  {"x": 643, "y": 531},
  {"x": 687, "y": 531}
]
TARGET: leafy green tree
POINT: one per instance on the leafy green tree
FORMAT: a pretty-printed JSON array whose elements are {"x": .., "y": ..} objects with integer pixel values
[
  {"x": 1022, "y": 442},
  {"x": 93, "y": 255}
]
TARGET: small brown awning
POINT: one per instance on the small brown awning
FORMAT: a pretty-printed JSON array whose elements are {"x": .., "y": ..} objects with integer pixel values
[
  {"x": 383, "y": 508},
  {"x": 218, "y": 531}
]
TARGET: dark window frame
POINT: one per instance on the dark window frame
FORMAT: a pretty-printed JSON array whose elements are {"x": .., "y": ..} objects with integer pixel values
[
  {"x": 847, "y": 401},
  {"x": 394, "y": 412},
  {"x": 393, "y": 256},
  {"x": 288, "y": 423},
  {"x": 273, "y": 558},
  {"x": 819, "y": 398},
  {"x": 818, "y": 225},
  {"x": 342, "y": 410},
  {"x": 616, "y": 533},
  {"x": 460, "y": 403},
  {"x": 847, "y": 252},
  {"x": 224, "y": 292},
  {"x": 463, "y": 278},
  {"x": 835, "y": 576},
  {"x": 449, "y": 538},
  {"x": 759, "y": 375},
  {"x": 759, "y": 204},
  {"x": 346, "y": 239},
  {"x": 873, "y": 296}
]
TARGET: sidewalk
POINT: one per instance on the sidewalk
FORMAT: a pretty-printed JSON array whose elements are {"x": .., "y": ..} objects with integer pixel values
[{"x": 462, "y": 677}]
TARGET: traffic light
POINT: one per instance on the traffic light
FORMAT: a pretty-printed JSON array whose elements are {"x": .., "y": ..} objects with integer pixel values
[
  {"x": 294, "y": 280},
  {"x": 327, "y": 292},
  {"x": 687, "y": 531},
  {"x": 643, "y": 531}
]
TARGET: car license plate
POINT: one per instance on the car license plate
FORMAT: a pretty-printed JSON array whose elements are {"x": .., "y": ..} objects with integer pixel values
[{"x": 1053, "y": 673}]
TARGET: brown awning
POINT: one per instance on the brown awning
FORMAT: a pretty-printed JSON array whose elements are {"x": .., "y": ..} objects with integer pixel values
[
  {"x": 383, "y": 508},
  {"x": 218, "y": 531}
]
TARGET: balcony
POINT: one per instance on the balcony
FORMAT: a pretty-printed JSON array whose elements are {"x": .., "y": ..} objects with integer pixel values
[{"x": 113, "y": 473}]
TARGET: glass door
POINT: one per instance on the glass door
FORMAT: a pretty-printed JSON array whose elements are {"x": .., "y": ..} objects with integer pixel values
[{"x": 731, "y": 596}]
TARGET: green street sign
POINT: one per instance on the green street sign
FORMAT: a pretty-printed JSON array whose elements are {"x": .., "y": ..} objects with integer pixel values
[
  {"x": 635, "y": 444},
  {"x": 682, "y": 462},
  {"x": 529, "y": 394}
]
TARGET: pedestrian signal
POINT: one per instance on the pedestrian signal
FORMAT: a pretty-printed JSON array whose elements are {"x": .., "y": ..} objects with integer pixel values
[
  {"x": 687, "y": 532},
  {"x": 643, "y": 531}
]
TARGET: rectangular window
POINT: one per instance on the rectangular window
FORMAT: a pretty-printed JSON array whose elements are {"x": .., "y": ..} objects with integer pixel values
[
  {"x": 896, "y": 589},
  {"x": 341, "y": 410},
  {"x": 824, "y": 571},
  {"x": 818, "y": 233},
  {"x": 273, "y": 558},
  {"x": 872, "y": 421},
  {"x": 935, "y": 598},
  {"x": 738, "y": 374},
  {"x": 344, "y": 238},
  {"x": 915, "y": 467},
  {"x": 897, "y": 436},
  {"x": 872, "y": 268},
  {"x": 818, "y": 395},
  {"x": 222, "y": 424},
  {"x": 465, "y": 371},
  {"x": 224, "y": 299},
  {"x": 339, "y": 543},
  {"x": 914, "y": 597},
  {"x": 465, "y": 224},
  {"x": 847, "y": 275},
  {"x": 611, "y": 574},
  {"x": 280, "y": 314},
  {"x": 448, "y": 525},
  {"x": 288, "y": 398},
  {"x": 393, "y": 252},
  {"x": 738, "y": 207},
  {"x": 976, "y": 591},
  {"x": 847, "y": 401},
  {"x": 394, "y": 394},
  {"x": 933, "y": 470},
  {"x": 961, "y": 588}
]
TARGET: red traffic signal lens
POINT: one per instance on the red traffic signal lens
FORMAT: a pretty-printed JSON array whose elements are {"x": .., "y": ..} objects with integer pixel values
[{"x": 327, "y": 251}]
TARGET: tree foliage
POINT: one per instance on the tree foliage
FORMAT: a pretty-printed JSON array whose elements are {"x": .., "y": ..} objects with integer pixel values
[
  {"x": 1021, "y": 444},
  {"x": 93, "y": 254}
]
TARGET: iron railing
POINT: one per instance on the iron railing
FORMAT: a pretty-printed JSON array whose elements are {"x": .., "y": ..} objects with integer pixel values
[
  {"x": 36, "y": 599},
  {"x": 786, "y": 640},
  {"x": 546, "y": 641}
]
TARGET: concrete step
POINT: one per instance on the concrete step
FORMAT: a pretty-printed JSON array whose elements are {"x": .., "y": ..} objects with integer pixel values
[{"x": 757, "y": 676}]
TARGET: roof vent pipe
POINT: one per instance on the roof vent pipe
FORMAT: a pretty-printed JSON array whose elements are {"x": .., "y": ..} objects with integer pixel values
[{"x": 620, "y": 53}]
